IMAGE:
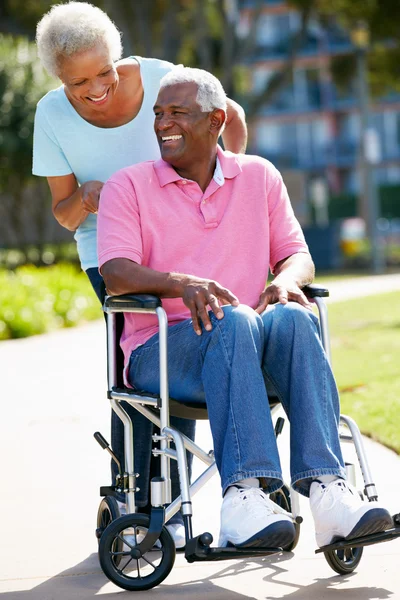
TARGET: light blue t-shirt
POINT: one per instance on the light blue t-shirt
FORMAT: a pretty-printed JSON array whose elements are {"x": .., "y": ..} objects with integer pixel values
[{"x": 65, "y": 143}]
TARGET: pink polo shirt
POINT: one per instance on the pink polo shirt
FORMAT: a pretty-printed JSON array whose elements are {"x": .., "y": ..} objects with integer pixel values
[{"x": 242, "y": 224}]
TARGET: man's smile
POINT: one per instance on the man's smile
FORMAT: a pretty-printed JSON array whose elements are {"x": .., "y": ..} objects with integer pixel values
[{"x": 170, "y": 138}]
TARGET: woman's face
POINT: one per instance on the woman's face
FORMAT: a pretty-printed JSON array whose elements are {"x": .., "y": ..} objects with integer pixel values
[{"x": 90, "y": 77}]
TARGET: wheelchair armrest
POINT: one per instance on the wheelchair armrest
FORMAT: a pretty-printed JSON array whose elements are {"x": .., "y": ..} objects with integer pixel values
[
  {"x": 129, "y": 302},
  {"x": 314, "y": 290}
]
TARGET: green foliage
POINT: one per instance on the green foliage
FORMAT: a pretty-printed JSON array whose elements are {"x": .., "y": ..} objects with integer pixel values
[
  {"x": 382, "y": 18},
  {"x": 47, "y": 254},
  {"x": 342, "y": 206},
  {"x": 37, "y": 300},
  {"x": 22, "y": 83}
]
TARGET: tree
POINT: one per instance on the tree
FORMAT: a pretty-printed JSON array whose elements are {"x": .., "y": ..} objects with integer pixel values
[
  {"x": 208, "y": 34},
  {"x": 25, "y": 201}
]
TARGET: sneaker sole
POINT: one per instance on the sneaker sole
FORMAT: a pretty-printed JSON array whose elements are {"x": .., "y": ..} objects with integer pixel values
[
  {"x": 374, "y": 521},
  {"x": 277, "y": 535}
]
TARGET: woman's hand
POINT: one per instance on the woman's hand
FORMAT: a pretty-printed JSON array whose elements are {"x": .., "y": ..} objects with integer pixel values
[{"x": 90, "y": 193}]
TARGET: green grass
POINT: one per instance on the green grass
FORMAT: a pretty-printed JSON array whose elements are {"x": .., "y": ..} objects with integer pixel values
[{"x": 365, "y": 339}]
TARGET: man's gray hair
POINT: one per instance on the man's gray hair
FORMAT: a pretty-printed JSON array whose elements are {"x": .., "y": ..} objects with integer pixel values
[
  {"x": 74, "y": 27},
  {"x": 210, "y": 92}
]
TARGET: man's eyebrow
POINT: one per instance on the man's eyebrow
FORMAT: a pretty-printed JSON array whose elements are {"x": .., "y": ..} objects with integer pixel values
[{"x": 170, "y": 106}]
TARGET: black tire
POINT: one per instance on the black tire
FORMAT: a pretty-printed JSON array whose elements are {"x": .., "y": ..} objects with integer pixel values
[
  {"x": 344, "y": 560},
  {"x": 158, "y": 562},
  {"x": 108, "y": 511},
  {"x": 282, "y": 498}
]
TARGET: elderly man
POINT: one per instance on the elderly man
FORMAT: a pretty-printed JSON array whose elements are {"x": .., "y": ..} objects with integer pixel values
[{"x": 200, "y": 228}]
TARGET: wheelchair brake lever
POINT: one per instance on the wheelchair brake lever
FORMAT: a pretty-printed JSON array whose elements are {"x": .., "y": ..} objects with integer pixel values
[{"x": 106, "y": 446}]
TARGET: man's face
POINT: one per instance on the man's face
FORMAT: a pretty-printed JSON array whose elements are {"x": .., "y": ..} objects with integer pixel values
[{"x": 182, "y": 129}]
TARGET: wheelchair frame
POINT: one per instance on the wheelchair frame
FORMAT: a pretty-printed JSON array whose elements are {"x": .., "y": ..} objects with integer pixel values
[{"x": 199, "y": 548}]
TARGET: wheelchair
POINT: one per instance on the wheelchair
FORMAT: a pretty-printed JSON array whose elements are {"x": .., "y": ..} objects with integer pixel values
[{"x": 136, "y": 551}]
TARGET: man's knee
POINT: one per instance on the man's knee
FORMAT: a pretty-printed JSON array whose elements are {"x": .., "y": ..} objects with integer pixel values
[
  {"x": 291, "y": 318},
  {"x": 240, "y": 317}
]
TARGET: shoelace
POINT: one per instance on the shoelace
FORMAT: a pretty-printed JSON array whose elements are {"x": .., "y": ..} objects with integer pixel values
[
  {"x": 258, "y": 500},
  {"x": 348, "y": 495}
]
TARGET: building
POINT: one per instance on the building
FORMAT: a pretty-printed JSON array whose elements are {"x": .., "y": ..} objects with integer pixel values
[{"x": 311, "y": 126}]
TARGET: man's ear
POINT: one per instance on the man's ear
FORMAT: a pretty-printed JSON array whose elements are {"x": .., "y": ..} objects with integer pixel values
[{"x": 217, "y": 120}]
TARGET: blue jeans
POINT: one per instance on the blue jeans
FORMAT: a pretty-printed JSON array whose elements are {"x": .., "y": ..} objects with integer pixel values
[
  {"x": 231, "y": 367},
  {"x": 145, "y": 463}
]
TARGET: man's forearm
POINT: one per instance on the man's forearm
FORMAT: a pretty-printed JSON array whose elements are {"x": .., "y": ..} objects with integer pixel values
[
  {"x": 299, "y": 268},
  {"x": 123, "y": 276}
]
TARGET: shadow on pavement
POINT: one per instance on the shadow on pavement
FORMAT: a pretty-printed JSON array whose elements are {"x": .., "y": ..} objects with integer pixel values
[{"x": 85, "y": 580}]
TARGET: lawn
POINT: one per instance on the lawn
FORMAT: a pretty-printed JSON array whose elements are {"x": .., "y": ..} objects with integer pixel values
[{"x": 365, "y": 339}]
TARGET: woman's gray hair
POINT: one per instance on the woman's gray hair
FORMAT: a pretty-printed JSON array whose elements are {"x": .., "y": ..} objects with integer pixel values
[
  {"x": 210, "y": 92},
  {"x": 74, "y": 27}
]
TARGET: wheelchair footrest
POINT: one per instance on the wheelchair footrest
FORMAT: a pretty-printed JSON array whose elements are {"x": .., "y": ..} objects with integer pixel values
[
  {"x": 366, "y": 540},
  {"x": 198, "y": 549}
]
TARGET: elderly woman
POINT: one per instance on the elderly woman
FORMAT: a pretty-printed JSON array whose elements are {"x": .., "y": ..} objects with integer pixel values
[{"x": 98, "y": 121}]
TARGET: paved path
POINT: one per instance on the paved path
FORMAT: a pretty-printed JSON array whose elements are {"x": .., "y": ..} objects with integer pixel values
[{"x": 52, "y": 468}]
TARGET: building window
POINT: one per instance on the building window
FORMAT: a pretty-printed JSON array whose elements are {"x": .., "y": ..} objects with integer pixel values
[
  {"x": 278, "y": 143},
  {"x": 273, "y": 34}
]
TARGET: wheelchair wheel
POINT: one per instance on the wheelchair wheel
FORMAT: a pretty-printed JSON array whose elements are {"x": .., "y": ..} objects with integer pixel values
[
  {"x": 119, "y": 564},
  {"x": 344, "y": 560},
  {"x": 282, "y": 498},
  {"x": 108, "y": 511}
]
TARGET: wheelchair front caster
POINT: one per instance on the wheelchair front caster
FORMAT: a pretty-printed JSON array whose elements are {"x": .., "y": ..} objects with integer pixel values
[
  {"x": 124, "y": 564},
  {"x": 344, "y": 560},
  {"x": 108, "y": 511}
]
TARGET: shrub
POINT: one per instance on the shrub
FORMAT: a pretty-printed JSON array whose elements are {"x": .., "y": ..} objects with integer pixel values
[{"x": 40, "y": 299}]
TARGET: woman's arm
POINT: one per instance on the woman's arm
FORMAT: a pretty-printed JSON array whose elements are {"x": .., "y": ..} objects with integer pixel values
[
  {"x": 71, "y": 204},
  {"x": 234, "y": 135}
]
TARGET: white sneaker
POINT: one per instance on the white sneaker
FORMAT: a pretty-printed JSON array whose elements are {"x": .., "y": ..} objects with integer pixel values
[
  {"x": 249, "y": 518},
  {"x": 339, "y": 513},
  {"x": 176, "y": 530}
]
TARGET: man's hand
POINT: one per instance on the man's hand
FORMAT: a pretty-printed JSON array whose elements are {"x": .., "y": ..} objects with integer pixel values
[
  {"x": 199, "y": 293},
  {"x": 90, "y": 192},
  {"x": 282, "y": 290}
]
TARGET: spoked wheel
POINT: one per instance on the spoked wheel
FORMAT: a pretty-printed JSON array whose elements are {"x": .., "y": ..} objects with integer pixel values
[
  {"x": 282, "y": 498},
  {"x": 344, "y": 560},
  {"x": 122, "y": 567}
]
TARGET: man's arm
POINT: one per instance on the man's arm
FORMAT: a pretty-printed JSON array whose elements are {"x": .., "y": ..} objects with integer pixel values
[
  {"x": 234, "y": 135},
  {"x": 290, "y": 275},
  {"x": 123, "y": 276}
]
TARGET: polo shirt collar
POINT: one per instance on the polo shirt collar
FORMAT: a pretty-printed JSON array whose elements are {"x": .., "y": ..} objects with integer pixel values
[{"x": 227, "y": 167}]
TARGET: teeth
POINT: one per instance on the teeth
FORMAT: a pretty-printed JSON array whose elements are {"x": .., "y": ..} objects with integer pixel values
[
  {"x": 171, "y": 137},
  {"x": 99, "y": 99}
]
